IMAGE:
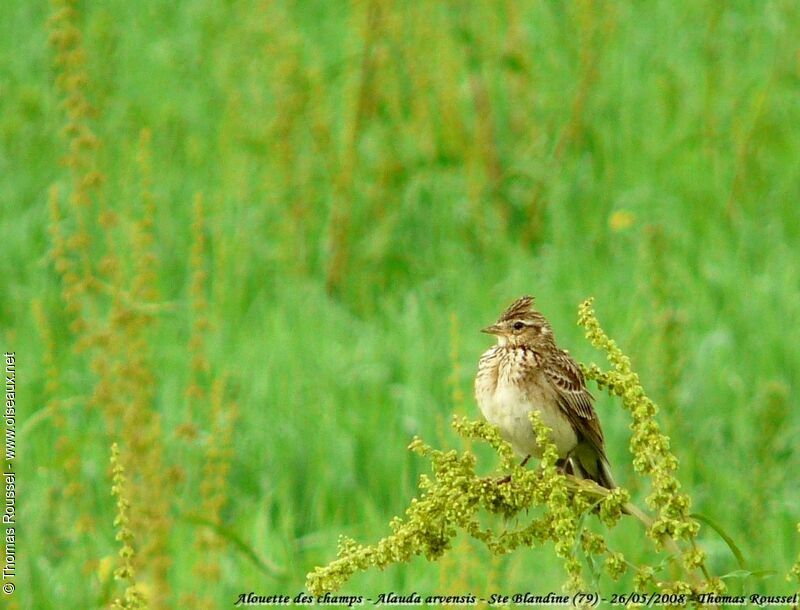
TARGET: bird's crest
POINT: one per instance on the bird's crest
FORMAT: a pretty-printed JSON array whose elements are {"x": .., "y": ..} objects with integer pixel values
[{"x": 521, "y": 308}]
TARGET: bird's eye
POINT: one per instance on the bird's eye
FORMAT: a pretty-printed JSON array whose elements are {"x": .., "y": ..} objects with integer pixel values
[{"x": 518, "y": 326}]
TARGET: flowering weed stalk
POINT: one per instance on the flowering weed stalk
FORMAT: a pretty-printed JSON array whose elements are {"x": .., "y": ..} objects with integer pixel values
[
  {"x": 133, "y": 598},
  {"x": 549, "y": 505}
]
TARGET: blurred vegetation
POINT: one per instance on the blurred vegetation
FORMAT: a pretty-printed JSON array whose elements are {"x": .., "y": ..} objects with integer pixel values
[{"x": 252, "y": 242}]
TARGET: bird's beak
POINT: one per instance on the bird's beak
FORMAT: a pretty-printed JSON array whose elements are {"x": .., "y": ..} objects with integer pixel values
[{"x": 494, "y": 329}]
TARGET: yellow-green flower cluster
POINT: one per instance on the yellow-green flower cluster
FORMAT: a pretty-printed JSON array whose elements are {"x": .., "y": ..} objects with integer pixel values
[
  {"x": 447, "y": 501},
  {"x": 616, "y": 565},
  {"x": 452, "y": 499},
  {"x": 652, "y": 458},
  {"x": 649, "y": 446},
  {"x": 133, "y": 598}
]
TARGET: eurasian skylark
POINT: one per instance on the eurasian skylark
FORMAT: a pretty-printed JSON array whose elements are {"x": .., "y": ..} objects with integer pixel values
[{"x": 526, "y": 370}]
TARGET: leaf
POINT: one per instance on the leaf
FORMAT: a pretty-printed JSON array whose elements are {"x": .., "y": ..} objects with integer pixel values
[
  {"x": 728, "y": 540},
  {"x": 749, "y": 574}
]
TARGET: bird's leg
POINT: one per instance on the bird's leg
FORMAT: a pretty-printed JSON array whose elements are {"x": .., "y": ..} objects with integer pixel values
[
  {"x": 564, "y": 465},
  {"x": 507, "y": 478}
]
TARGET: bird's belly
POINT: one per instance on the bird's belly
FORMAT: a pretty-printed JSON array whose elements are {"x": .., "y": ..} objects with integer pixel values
[{"x": 508, "y": 408}]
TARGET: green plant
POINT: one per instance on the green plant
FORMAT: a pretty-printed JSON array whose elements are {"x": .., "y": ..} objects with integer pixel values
[{"x": 545, "y": 504}]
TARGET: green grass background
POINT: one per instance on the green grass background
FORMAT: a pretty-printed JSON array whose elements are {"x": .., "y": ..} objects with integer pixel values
[{"x": 457, "y": 155}]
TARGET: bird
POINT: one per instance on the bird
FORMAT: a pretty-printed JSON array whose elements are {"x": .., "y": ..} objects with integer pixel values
[{"x": 527, "y": 371}]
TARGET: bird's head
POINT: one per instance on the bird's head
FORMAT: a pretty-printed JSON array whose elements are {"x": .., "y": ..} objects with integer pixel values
[{"x": 521, "y": 324}]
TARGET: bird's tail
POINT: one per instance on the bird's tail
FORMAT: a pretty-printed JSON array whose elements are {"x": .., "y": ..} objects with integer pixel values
[{"x": 587, "y": 463}]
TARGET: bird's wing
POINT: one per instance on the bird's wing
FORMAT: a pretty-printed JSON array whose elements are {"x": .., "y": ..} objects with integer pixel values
[{"x": 573, "y": 397}]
